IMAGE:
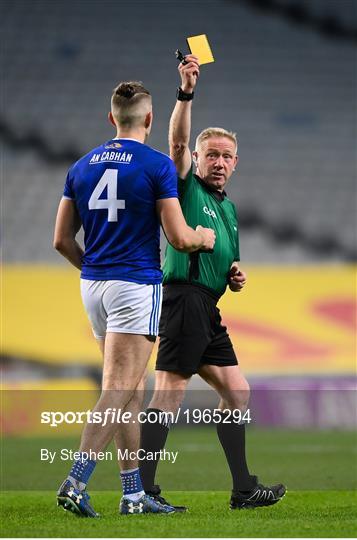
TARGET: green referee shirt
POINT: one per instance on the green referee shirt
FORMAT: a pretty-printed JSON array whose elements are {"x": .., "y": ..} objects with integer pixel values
[{"x": 202, "y": 206}]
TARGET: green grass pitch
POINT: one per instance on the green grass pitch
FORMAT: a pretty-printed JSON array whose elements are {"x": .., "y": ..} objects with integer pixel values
[
  {"x": 300, "y": 514},
  {"x": 319, "y": 469}
]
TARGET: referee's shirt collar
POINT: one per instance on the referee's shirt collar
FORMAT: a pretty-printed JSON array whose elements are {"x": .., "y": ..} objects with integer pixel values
[{"x": 218, "y": 195}]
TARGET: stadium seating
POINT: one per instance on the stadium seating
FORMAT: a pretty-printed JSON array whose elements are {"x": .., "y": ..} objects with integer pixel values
[{"x": 287, "y": 90}]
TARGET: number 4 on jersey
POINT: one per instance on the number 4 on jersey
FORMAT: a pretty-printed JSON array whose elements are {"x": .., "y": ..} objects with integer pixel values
[{"x": 109, "y": 180}]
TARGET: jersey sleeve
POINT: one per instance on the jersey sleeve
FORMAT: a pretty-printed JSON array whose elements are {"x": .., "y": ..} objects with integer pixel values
[
  {"x": 166, "y": 181},
  {"x": 68, "y": 192}
]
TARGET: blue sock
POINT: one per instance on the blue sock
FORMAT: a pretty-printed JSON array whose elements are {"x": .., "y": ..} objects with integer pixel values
[
  {"x": 81, "y": 472},
  {"x": 132, "y": 486}
]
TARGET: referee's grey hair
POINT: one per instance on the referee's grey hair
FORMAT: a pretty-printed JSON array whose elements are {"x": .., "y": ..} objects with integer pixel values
[{"x": 215, "y": 132}]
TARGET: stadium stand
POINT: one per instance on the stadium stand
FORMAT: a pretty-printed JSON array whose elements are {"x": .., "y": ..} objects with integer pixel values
[{"x": 287, "y": 88}]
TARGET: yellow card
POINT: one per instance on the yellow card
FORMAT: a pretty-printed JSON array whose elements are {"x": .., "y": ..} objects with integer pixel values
[{"x": 200, "y": 47}]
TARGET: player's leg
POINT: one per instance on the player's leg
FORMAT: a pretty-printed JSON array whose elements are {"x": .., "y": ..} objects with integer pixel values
[
  {"x": 133, "y": 355},
  {"x": 125, "y": 360},
  {"x": 129, "y": 434},
  {"x": 137, "y": 313},
  {"x": 233, "y": 389},
  {"x": 134, "y": 501},
  {"x": 72, "y": 486},
  {"x": 124, "y": 314}
]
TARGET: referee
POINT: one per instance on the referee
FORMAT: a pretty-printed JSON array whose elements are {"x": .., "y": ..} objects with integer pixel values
[{"x": 192, "y": 337}]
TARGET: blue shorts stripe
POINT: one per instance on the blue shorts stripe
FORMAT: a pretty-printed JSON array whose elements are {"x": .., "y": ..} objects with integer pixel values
[
  {"x": 154, "y": 326},
  {"x": 158, "y": 310},
  {"x": 152, "y": 309}
]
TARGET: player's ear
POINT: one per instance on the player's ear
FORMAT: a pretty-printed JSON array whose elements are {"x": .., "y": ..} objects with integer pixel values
[
  {"x": 111, "y": 118},
  {"x": 148, "y": 120},
  {"x": 194, "y": 157},
  {"x": 236, "y": 160}
]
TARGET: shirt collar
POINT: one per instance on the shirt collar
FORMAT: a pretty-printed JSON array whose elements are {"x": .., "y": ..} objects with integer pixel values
[
  {"x": 126, "y": 139},
  {"x": 219, "y": 195}
]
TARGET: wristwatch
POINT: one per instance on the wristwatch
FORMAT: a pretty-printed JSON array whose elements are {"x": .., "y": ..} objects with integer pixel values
[{"x": 183, "y": 96}]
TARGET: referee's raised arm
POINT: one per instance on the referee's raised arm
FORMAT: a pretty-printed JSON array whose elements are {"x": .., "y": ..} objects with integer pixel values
[{"x": 180, "y": 121}]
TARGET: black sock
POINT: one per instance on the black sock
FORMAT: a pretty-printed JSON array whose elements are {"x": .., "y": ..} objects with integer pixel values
[
  {"x": 232, "y": 439},
  {"x": 153, "y": 439}
]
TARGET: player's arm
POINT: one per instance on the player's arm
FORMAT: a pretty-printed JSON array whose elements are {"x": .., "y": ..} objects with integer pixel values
[
  {"x": 67, "y": 226},
  {"x": 236, "y": 278},
  {"x": 178, "y": 233},
  {"x": 180, "y": 121}
]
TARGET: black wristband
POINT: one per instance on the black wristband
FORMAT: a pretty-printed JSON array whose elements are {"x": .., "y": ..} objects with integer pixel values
[{"x": 183, "y": 96}]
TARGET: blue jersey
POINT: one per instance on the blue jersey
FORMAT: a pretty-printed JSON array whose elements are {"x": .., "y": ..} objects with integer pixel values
[{"x": 115, "y": 188}]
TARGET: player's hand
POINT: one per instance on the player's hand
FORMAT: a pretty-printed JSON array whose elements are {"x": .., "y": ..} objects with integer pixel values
[
  {"x": 236, "y": 278},
  {"x": 189, "y": 73},
  {"x": 208, "y": 237}
]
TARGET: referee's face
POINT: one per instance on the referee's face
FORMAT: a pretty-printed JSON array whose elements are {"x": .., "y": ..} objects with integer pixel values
[{"x": 216, "y": 159}]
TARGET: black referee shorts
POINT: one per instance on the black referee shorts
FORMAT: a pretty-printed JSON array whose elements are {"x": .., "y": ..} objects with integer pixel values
[{"x": 191, "y": 331}]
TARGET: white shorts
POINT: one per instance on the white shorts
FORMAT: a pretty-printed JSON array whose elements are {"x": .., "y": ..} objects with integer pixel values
[{"x": 122, "y": 306}]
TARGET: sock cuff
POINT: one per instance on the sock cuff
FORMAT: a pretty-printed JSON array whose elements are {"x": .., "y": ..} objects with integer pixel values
[
  {"x": 82, "y": 469},
  {"x": 158, "y": 416},
  {"x": 131, "y": 482}
]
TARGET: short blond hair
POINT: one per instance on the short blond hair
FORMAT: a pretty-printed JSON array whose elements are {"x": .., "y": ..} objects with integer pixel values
[
  {"x": 215, "y": 132},
  {"x": 130, "y": 103}
]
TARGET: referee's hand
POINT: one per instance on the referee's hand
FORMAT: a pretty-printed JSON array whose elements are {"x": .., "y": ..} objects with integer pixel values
[
  {"x": 189, "y": 73},
  {"x": 236, "y": 278}
]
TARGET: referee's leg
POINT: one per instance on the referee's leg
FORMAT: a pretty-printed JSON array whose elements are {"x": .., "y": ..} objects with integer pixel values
[
  {"x": 230, "y": 383},
  {"x": 233, "y": 389},
  {"x": 170, "y": 387}
]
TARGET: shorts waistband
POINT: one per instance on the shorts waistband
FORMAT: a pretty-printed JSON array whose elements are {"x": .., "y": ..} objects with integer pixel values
[{"x": 186, "y": 287}]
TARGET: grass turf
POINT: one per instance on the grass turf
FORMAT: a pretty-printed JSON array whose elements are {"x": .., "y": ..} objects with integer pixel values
[
  {"x": 300, "y": 514},
  {"x": 303, "y": 460},
  {"x": 318, "y": 467}
]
